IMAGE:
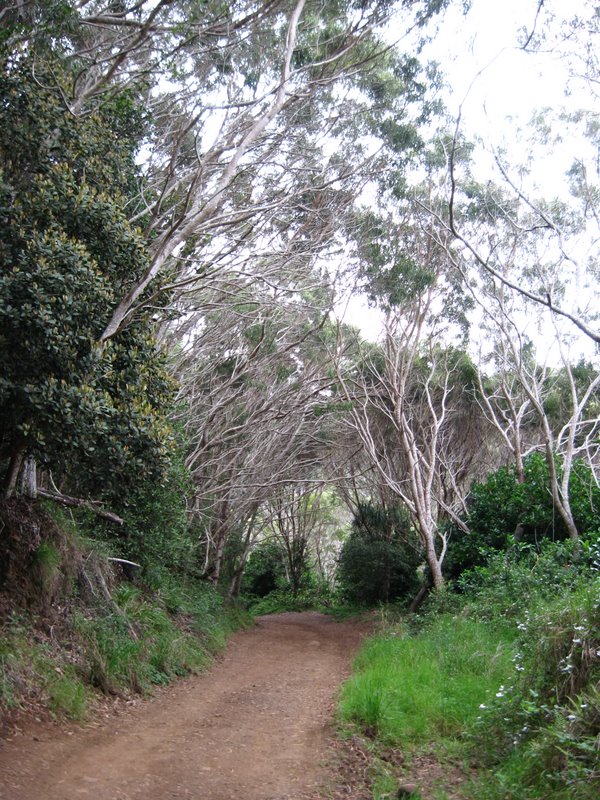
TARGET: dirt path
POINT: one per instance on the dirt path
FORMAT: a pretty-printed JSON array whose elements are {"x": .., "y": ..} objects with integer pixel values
[{"x": 255, "y": 727}]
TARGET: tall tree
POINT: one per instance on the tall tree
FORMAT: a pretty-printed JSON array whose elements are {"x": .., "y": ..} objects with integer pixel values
[
  {"x": 258, "y": 112},
  {"x": 406, "y": 394},
  {"x": 67, "y": 250}
]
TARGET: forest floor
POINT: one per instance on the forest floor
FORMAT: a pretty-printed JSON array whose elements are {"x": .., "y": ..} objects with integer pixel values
[{"x": 259, "y": 725}]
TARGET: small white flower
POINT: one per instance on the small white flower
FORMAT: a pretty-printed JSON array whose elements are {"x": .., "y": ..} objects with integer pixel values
[{"x": 481, "y": 705}]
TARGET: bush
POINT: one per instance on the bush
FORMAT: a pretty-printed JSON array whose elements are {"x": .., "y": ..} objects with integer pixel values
[
  {"x": 137, "y": 643},
  {"x": 281, "y": 600},
  {"x": 501, "y": 508},
  {"x": 265, "y": 570},
  {"x": 31, "y": 669},
  {"x": 156, "y": 529},
  {"x": 514, "y": 581},
  {"x": 541, "y": 733},
  {"x": 378, "y": 561}
]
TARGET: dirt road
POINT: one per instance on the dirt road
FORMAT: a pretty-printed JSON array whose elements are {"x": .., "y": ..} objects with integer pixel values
[{"x": 255, "y": 727}]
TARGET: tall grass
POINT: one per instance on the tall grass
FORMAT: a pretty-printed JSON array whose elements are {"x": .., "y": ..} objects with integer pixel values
[
  {"x": 409, "y": 688},
  {"x": 510, "y": 683},
  {"x": 29, "y": 668},
  {"x": 137, "y": 642}
]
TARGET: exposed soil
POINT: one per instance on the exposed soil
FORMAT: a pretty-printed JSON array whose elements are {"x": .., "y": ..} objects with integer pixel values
[{"x": 257, "y": 726}]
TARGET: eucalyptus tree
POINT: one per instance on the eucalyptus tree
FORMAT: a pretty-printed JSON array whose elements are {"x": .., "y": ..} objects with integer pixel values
[
  {"x": 538, "y": 188},
  {"x": 258, "y": 112},
  {"x": 556, "y": 394},
  {"x": 254, "y": 375},
  {"x": 411, "y": 397},
  {"x": 294, "y": 518},
  {"x": 529, "y": 262}
]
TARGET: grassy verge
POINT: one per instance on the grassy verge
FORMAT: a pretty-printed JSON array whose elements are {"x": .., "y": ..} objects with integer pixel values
[
  {"x": 132, "y": 644},
  {"x": 512, "y": 704},
  {"x": 38, "y": 673},
  {"x": 409, "y": 689}
]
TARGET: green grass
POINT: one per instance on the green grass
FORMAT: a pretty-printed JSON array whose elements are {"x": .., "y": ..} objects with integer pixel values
[
  {"x": 138, "y": 642},
  {"x": 517, "y": 701},
  {"x": 409, "y": 688},
  {"x": 31, "y": 669},
  {"x": 147, "y": 641}
]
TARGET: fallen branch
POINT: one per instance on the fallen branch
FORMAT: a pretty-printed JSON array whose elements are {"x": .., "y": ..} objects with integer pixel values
[{"x": 77, "y": 502}]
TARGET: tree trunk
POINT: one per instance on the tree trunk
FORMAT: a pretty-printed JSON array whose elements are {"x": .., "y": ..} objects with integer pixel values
[
  {"x": 220, "y": 540},
  {"x": 14, "y": 470},
  {"x": 236, "y": 584},
  {"x": 433, "y": 561},
  {"x": 418, "y": 599},
  {"x": 561, "y": 503},
  {"x": 28, "y": 478}
]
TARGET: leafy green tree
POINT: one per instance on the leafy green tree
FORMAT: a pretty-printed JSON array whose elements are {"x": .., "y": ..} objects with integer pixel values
[
  {"x": 66, "y": 252},
  {"x": 265, "y": 570}
]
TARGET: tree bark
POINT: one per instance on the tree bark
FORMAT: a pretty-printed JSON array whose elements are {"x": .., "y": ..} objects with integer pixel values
[
  {"x": 28, "y": 478},
  {"x": 14, "y": 470}
]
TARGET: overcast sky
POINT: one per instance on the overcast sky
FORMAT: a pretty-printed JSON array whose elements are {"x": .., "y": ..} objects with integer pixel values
[{"x": 497, "y": 87}]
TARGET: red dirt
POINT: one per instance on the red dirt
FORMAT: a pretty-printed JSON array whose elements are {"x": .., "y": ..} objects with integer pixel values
[{"x": 257, "y": 726}]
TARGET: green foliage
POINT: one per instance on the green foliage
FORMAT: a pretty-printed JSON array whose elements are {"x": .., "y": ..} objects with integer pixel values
[
  {"x": 410, "y": 688},
  {"x": 540, "y": 733},
  {"x": 130, "y": 641},
  {"x": 156, "y": 530},
  {"x": 500, "y": 507},
  {"x": 392, "y": 276},
  {"x": 67, "y": 254},
  {"x": 47, "y": 558},
  {"x": 265, "y": 570},
  {"x": 138, "y": 644},
  {"x": 508, "y": 680},
  {"x": 316, "y": 597},
  {"x": 379, "y": 559},
  {"x": 137, "y": 647},
  {"x": 512, "y": 581},
  {"x": 33, "y": 669}
]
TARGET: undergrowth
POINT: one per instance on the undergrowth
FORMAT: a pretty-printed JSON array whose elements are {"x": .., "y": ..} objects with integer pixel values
[
  {"x": 138, "y": 644},
  {"x": 123, "y": 642},
  {"x": 282, "y": 600},
  {"x": 503, "y": 678},
  {"x": 38, "y": 671}
]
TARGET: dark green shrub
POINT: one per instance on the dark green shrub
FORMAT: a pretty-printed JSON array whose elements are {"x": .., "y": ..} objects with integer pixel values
[
  {"x": 379, "y": 560},
  {"x": 513, "y": 581},
  {"x": 156, "y": 532},
  {"x": 265, "y": 570},
  {"x": 501, "y": 509}
]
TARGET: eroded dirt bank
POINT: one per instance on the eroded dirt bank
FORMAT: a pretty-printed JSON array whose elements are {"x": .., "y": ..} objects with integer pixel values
[{"x": 255, "y": 727}]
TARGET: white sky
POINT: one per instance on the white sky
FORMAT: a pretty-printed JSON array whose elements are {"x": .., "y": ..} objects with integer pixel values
[
  {"x": 487, "y": 71},
  {"x": 497, "y": 87}
]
